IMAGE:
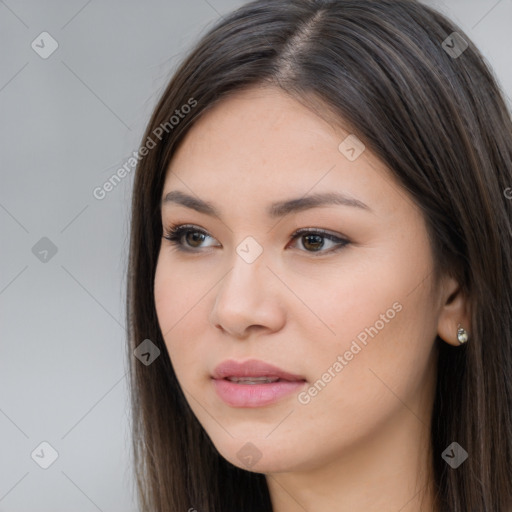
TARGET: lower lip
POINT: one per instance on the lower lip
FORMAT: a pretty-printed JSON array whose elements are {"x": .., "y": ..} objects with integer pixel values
[{"x": 254, "y": 395}]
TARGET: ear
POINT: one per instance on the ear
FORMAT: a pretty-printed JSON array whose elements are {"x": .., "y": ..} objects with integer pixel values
[{"x": 454, "y": 311}]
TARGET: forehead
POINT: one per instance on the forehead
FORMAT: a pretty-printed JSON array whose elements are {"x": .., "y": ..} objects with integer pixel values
[
  {"x": 256, "y": 121},
  {"x": 262, "y": 144}
]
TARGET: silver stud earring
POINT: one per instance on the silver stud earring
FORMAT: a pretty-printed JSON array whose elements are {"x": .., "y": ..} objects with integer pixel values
[{"x": 462, "y": 335}]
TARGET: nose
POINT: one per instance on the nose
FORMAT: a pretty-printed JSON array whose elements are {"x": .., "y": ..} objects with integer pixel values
[{"x": 248, "y": 298}]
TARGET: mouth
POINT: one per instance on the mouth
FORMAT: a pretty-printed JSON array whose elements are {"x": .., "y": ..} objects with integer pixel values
[
  {"x": 253, "y": 383},
  {"x": 253, "y": 370},
  {"x": 254, "y": 380}
]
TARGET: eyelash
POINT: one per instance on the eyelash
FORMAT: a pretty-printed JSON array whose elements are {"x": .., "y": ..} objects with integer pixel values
[{"x": 175, "y": 232}]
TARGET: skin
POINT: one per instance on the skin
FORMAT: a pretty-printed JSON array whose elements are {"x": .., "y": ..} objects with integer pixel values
[{"x": 361, "y": 443}]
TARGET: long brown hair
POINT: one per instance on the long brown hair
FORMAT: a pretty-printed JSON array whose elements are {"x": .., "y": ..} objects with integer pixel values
[{"x": 437, "y": 118}]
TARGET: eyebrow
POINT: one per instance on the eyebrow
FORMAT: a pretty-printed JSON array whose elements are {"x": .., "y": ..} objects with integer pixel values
[{"x": 274, "y": 210}]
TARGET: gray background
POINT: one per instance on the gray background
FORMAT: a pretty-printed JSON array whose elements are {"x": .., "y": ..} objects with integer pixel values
[{"x": 68, "y": 122}]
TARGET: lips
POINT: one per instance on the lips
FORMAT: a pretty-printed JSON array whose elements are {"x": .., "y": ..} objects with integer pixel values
[
  {"x": 254, "y": 383},
  {"x": 242, "y": 372}
]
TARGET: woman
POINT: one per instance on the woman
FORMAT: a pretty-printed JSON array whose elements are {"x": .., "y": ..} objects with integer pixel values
[{"x": 320, "y": 267}]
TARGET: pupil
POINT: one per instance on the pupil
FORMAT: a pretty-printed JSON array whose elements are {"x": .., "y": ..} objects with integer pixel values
[
  {"x": 317, "y": 238},
  {"x": 196, "y": 236}
]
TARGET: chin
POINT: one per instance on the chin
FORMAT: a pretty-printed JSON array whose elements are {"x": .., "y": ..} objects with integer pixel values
[
  {"x": 260, "y": 456},
  {"x": 264, "y": 465}
]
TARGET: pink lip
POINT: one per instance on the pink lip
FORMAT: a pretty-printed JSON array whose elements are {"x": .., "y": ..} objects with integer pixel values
[
  {"x": 253, "y": 395},
  {"x": 252, "y": 368}
]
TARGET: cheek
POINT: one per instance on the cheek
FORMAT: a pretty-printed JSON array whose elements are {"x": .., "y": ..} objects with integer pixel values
[
  {"x": 177, "y": 293},
  {"x": 362, "y": 295},
  {"x": 181, "y": 303},
  {"x": 384, "y": 323}
]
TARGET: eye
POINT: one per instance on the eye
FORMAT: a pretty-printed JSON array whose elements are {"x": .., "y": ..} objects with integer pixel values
[
  {"x": 312, "y": 240},
  {"x": 176, "y": 233}
]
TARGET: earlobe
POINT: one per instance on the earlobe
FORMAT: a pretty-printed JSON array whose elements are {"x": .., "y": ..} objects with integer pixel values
[{"x": 454, "y": 317}]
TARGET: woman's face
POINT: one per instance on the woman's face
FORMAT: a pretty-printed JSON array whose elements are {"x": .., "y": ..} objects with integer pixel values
[{"x": 352, "y": 317}]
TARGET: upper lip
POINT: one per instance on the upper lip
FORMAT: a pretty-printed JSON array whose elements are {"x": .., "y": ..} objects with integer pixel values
[{"x": 252, "y": 368}]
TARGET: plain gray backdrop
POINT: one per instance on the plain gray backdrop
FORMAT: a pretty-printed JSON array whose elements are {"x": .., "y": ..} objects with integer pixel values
[{"x": 69, "y": 120}]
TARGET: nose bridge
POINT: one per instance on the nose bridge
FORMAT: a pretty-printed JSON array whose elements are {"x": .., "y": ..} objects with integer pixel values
[
  {"x": 248, "y": 270},
  {"x": 242, "y": 298}
]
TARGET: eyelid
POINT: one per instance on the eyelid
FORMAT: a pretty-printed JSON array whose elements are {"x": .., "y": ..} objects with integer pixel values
[{"x": 314, "y": 230}]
